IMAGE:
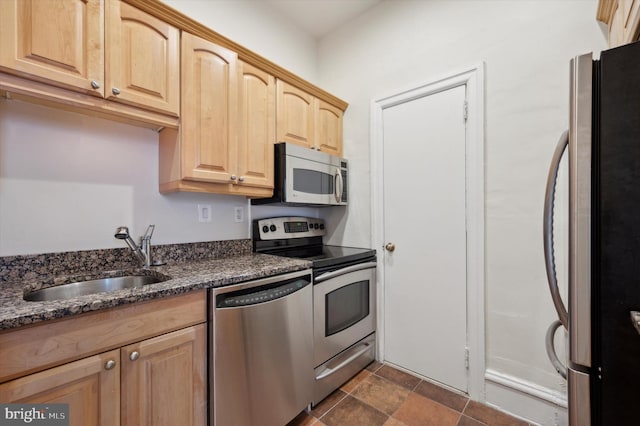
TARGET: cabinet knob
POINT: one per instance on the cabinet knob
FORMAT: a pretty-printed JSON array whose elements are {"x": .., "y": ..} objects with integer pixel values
[
  {"x": 134, "y": 355},
  {"x": 241, "y": 179},
  {"x": 233, "y": 177},
  {"x": 390, "y": 247},
  {"x": 115, "y": 91},
  {"x": 95, "y": 84},
  {"x": 109, "y": 364}
]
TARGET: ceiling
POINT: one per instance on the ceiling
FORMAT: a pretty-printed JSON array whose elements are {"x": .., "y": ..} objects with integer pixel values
[{"x": 319, "y": 17}]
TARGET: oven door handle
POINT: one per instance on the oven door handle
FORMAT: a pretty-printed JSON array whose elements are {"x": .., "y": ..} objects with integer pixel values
[
  {"x": 330, "y": 371},
  {"x": 349, "y": 269}
]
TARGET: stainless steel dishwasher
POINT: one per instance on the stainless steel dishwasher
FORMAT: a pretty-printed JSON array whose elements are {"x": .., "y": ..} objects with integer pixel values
[{"x": 262, "y": 350}]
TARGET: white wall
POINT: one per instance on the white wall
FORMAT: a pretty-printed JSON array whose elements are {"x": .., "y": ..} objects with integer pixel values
[
  {"x": 526, "y": 46},
  {"x": 259, "y": 28},
  {"x": 67, "y": 180}
]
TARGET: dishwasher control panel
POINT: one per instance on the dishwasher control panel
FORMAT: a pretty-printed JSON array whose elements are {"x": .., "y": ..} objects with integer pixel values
[
  {"x": 253, "y": 296},
  {"x": 277, "y": 228}
]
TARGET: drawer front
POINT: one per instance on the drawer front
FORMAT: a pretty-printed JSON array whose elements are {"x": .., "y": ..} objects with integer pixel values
[{"x": 30, "y": 349}]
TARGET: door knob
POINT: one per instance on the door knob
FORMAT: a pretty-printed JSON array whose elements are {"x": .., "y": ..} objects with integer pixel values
[{"x": 390, "y": 247}]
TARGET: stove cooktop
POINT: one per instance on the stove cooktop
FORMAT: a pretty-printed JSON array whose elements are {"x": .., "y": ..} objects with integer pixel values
[
  {"x": 324, "y": 255},
  {"x": 301, "y": 238}
]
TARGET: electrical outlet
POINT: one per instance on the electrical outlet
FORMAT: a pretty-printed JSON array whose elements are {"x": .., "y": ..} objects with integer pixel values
[
  {"x": 238, "y": 214},
  {"x": 204, "y": 213}
]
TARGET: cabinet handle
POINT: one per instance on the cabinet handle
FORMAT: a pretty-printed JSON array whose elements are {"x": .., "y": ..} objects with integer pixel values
[
  {"x": 115, "y": 91},
  {"x": 241, "y": 179},
  {"x": 95, "y": 84},
  {"x": 109, "y": 364},
  {"x": 233, "y": 177},
  {"x": 134, "y": 355}
]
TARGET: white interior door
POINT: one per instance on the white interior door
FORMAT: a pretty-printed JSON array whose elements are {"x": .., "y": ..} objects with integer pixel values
[{"x": 424, "y": 197}]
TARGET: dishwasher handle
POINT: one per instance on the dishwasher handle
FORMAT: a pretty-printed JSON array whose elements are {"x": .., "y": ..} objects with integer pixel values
[{"x": 349, "y": 269}]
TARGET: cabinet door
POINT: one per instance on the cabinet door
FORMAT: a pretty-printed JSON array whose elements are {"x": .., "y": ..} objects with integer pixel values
[
  {"x": 209, "y": 111},
  {"x": 56, "y": 41},
  {"x": 142, "y": 60},
  {"x": 624, "y": 21},
  {"x": 329, "y": 128},
  {"x": 257, "y": 127},
  {"x": 90, "y": 389},
  {"x": 295, "y": 112},
  {"x": 164, "y": 381}
]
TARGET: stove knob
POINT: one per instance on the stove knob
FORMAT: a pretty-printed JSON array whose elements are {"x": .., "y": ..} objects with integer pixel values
[
  {"x": 265, "y": 229},
  {"x": 322, "y": 226},
  {"x": 272, "y": 228}
]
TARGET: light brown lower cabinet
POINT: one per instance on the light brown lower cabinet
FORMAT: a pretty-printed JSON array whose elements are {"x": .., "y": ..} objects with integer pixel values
[
  {"x": 163, "y": 379},
  {"x": 145, "y": 380},
  {"x": 90, "y": 389}
]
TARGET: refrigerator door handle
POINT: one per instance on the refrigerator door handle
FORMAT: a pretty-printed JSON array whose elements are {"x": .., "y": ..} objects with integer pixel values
[
  {"x": 549, "y": 258},
  {"x": 551, "y": 349}
]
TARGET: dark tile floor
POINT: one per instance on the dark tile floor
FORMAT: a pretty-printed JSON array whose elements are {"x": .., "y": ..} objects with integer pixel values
[{"x": 382, "y": 395}]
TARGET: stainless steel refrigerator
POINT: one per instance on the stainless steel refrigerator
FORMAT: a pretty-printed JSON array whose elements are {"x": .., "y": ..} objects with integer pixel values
[{"x": 603, "y": 370}]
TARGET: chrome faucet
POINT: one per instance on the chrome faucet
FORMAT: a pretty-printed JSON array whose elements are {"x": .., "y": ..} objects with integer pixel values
[{"x": 143, "y": 253}]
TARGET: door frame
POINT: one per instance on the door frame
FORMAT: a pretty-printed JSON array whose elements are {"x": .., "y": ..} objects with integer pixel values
[{"x": 473, "y": 79}]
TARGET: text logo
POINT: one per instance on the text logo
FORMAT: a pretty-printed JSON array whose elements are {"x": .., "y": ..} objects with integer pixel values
[{"x": 34, "y": 414}]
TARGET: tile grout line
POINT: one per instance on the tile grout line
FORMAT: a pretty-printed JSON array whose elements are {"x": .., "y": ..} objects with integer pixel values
[
  {"x": 333, "y": 406},
  {"x": 351, "y": 394}
]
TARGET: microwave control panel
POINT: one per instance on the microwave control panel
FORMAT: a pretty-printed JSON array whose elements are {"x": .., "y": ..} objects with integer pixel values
[{"x": 289, "y": 227}]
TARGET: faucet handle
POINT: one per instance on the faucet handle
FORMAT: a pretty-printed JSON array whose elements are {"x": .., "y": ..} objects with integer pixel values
[{"x": 147, "y": 235}]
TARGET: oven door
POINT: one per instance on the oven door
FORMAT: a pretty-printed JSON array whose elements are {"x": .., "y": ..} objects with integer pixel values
[
  {"x": 344, "y": 309},
  {"x": 311, "y": 182}
]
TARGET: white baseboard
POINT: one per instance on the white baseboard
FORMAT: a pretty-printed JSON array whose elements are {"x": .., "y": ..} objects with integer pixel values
[{"x": 526, "y": 400}]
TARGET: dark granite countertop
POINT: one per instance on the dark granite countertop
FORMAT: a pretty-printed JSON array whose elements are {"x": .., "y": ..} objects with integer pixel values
[{"x": 184, "y": 277}]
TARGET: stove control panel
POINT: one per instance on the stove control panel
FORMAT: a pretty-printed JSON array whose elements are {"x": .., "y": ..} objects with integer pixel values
[{"x": 289, "y": 227}]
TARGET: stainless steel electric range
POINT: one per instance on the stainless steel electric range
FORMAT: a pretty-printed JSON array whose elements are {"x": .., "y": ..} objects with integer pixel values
[{"x": 344, "y": 296}]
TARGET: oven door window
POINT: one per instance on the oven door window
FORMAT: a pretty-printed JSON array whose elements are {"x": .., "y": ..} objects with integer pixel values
[
  {"x": 346, "y": 306},
  {"x": 313, "y": 182}
]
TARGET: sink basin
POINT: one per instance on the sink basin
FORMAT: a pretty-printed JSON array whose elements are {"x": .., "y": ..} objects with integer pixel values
[{"x": 82, "y": 288}]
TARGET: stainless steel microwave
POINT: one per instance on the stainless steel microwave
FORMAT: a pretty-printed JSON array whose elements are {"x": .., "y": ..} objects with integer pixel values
[{"x": 303, "y": 176}]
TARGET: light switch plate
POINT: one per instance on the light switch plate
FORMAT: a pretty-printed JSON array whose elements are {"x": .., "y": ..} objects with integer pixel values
[
  {"x": 204, "y": 213},
  {"x": 238, "y": 214}
]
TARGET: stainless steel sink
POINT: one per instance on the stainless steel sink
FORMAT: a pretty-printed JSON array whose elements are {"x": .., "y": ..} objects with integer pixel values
[{"x": 82, "y": 288}]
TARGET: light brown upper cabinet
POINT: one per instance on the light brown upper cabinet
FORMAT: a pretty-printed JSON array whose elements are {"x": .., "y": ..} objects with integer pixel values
[
  {"x": 57, "y": 41},
  {"x": 209, "y": 117},
  {"x": 257, "y": 127},
  {"x": 307, "y": 121},
  {"x": 622, "y": 18},
  {"x": 296, "y": 116},
  {"x": 328, "y": 128},
  {"x": 224, "y": 143},
  {"x": 142, "y": 60},
  {"x": 104, "y": 48}
]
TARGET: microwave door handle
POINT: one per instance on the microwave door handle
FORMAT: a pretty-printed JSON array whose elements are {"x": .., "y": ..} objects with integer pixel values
[
  {"x": 339, "y": 185},
  {"x": 549, "y": 258}
]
